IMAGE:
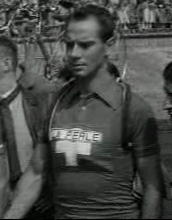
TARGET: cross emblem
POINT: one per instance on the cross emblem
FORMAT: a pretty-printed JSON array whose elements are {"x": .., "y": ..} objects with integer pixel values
[{"x": 72, "y": 150}]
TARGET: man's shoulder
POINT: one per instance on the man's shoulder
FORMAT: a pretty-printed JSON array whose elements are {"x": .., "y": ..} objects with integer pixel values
[
  {"x": 136, "y": 102},
  {"x": 28, "y": 97},
  {"x": 52, "y": 99},
  {"x": 37, "y": 83},
  {"x": 54, "y": 96},
  {"x": 139, "y": 106},
  {"x": 39, "y": 90}
]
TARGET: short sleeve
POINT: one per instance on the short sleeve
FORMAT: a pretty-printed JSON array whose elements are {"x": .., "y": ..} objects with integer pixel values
[{"x": 144, "y": 129}]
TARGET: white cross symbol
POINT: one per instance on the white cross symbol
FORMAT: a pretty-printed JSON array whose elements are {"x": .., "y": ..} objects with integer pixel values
[{"x": 72, "y": 149}]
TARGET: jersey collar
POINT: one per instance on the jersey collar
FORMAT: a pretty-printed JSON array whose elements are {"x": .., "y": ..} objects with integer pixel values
[{"x": 106, "y": 87}]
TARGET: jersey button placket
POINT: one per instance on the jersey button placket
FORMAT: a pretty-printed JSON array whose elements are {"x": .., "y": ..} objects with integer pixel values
[{"x": 82, "y": 108}]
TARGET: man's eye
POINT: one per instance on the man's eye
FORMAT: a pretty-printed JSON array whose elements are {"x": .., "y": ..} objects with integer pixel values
[
  {"x": 69, "y": 44},
  {"x": 85, "y": 45}
]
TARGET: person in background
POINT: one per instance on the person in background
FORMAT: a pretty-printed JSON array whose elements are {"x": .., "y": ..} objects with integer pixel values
[
  {"x": 169, "y": 15},
  {"x": 23, "y": 92},
  {"x": 123, "y": 14},
  {"x": 18, "y": 116},
  {"x": 167, "y": 106},
  {"x": 167, "y": 76}
]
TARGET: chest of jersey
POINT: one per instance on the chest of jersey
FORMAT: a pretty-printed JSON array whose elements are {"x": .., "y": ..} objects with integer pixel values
[
  {"x": 86, "y": 134},
  {"x": 90, "y": 167}
]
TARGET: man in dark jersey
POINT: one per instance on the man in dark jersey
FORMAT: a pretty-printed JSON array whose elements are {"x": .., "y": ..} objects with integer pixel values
[{"x": 92, "y": 172}]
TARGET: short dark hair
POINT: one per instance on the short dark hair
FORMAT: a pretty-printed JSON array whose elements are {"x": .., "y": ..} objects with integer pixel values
[
  {"x": 167, "y": 73},
  {"x": 101, "y": 14},
  {"x": 10, "y": 48}
]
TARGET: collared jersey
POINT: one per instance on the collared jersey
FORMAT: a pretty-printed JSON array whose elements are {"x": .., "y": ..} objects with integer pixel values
[{"x": 92, "y": 173}]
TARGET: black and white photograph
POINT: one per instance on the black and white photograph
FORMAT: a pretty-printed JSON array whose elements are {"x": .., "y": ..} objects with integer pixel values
[{"x": 85, "y": 109}]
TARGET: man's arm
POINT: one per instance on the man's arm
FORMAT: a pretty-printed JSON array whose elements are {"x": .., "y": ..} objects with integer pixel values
[
  {"x": 147, "y": 158},
  {"x": 29, "y": 187},
  {"x": 150, "y": 173}
]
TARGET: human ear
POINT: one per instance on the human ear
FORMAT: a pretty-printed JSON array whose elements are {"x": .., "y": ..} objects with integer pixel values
[
  {"x": 110, "y": 41},
  {"x": 7, "y": 64},
  {"x": 109, "y": 44}
]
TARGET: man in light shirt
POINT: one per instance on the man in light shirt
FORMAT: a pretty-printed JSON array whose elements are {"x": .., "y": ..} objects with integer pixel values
[{"x": 18, "y": 117}]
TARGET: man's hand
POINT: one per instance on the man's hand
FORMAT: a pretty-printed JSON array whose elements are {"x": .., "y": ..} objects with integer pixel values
[{"x": 29, "y": 187}]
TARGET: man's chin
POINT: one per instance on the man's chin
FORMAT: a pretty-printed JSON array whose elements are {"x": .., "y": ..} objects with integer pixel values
[{"x": 79, "y": 74}]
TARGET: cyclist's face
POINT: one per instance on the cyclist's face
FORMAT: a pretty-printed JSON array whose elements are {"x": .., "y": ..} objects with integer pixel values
[{"x": 85, "y": 48}]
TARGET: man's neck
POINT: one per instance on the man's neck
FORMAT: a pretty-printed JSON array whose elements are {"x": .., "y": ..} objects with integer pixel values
[
  {"x": 86, "y": 84},
  {"x": 7, "y": 84}
]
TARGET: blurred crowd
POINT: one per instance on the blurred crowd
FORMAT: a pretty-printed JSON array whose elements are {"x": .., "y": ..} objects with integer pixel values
[
  {"x": 140, "y": 15},
  {"x": 129, "y": 15},
  {"x": 132, "y": 15}
]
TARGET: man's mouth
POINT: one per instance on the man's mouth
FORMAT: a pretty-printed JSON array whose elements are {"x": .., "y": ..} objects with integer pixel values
[{"x": 79, "y": 65}]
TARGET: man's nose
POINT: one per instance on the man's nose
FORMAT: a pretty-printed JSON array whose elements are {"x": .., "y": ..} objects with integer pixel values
[{"x": 76, "y": 52}]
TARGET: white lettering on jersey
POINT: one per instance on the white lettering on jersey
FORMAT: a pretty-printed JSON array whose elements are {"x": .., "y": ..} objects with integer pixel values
[{"x": 76, "y": 134}]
